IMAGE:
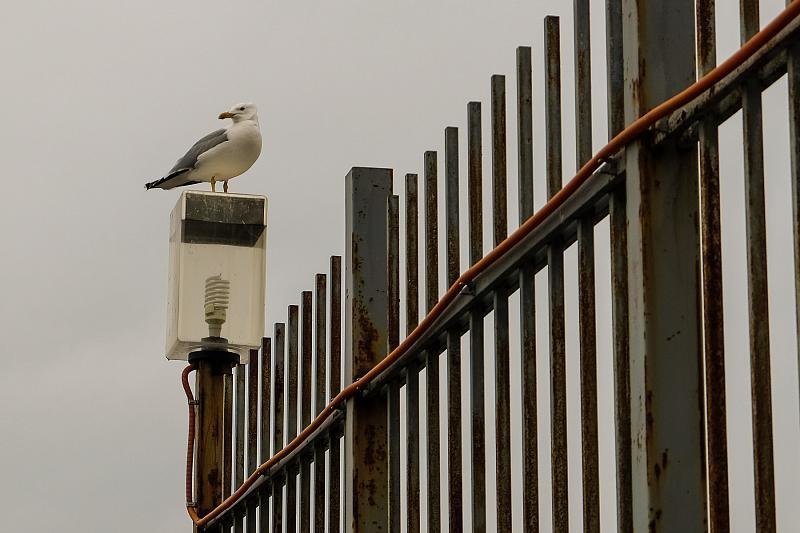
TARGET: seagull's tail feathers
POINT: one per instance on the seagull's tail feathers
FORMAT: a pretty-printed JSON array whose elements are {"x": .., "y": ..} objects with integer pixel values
[{"x": 174, "y": 179}]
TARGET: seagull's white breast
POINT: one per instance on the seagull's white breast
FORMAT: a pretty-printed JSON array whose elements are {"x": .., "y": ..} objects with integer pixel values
[{"x": 233, "y": 157}]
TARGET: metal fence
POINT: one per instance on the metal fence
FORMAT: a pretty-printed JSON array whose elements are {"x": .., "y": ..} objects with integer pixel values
[{"x": 657, "y": 198}]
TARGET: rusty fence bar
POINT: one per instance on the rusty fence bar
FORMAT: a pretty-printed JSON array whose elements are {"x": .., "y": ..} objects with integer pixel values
[
  {"x": 335, "y": 354},
  {"x": 555, "y": 278},
  {"x": 291, "y": 415},
  {"x": 279, "y": 356},
  {"x": 756, "y": 229}
]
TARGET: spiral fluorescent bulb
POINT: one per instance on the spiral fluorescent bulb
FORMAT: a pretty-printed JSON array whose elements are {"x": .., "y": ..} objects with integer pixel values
[{"x": 216, "y": 304}]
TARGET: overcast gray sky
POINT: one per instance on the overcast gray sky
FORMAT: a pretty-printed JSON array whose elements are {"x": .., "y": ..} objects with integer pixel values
[{"x": 100, "y": 97}]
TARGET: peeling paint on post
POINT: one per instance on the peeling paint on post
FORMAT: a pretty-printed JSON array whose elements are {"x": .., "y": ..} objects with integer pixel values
[
  {"x": 668, "y": 470},
  {"x": 365, "y": 439}
]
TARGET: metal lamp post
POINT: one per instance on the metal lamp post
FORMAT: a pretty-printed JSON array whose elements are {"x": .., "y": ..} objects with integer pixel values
[{"x": 215, "y": 309}]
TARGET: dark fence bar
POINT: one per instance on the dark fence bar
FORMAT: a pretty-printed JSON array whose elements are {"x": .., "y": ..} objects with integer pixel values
[
  {"x": 239, "y": 463},
  {"x": 392, "y": 339},
  {"x": 252, "y": 432},
  {"x": 586, "y": 288},
  {"x": 454, "y": 467},
  {"x": 793, "y": 71},
  {"x": 320, "y": 363},
  {"x": 334, "y": 454},
  {"x": 291, "y": 417},
  {"x": 227, "y": 439},
  {"x": 555, "y": 269},
  {"x": 412, "y": 377},
  {"x": 501, "y": 356},
  {"x": 755, "y": 212},
  {"x": 527, "y": 318},
  {"x": 619, "y": 275},
  {"x": 277, "y": 431},
  {"x": 711, "y": 254},
  {"x": 432, "y": 357},
  {"x": 266, "y": 392},
  {"x": 306, "y": 312},
  {"x": 477, "y": 405}
]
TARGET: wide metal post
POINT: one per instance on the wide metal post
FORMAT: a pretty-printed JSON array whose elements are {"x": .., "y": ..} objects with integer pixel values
[
  {"x": 668, "y": 474},
  {"x": 365, "y": 439},
  {"x": 210, "y": 386}
]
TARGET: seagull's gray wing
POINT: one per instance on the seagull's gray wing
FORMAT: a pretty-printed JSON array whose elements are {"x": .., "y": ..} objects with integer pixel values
[
  {"x": 205, "y": 144},
  {"x": 189, "y": 160}
]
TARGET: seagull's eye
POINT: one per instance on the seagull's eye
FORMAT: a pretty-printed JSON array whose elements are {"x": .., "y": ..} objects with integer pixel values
[{"x": 241, "y": 108}]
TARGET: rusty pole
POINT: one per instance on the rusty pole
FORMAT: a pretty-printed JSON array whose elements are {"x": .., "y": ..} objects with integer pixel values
[
  {"x": 663, "y": 240},
  {"x": 211, "y": 370},
  {"x": 366, "y": 473}
]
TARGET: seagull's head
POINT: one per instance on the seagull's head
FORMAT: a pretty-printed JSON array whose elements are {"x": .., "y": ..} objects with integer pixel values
[{"x": 240, "y": 112}]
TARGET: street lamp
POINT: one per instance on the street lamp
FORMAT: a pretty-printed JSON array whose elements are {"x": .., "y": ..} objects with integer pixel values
[{"x": 217, "y": 274}]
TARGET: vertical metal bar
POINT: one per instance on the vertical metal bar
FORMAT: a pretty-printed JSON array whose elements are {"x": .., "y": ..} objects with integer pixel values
[
  {"x": 454, "y": 467},
  {"x": 552, "y": 50},
  {"x": 758, "y": 303},
  {"x": 586, "y": 286},
  {"x": 614, "y": 68},
  {"x": 393, "y": 272},
  {"x": 252, "y": 432},
  {"x": 583, "y": 82},
  {"x": 530, "y": 474},
  {"x": 412, "y": 448},
  {"x": 477, "y": 420},
  {"x": 432, "y": 358},
  {"x": 555, "y": 269},
  {"x": 277, "y": 432},
  {"x": 392, "y": 339},
  {"x": 502, "y": 411},
  {"x": 451, "y": 194},
  {"x": 475, "y": 178},
  {"x": 320, "y": 363},
  {"x": 306, "y": 312},
  {"x": 711, "y": 262},
  {"x": 412, "y": 378},
  {"x": 227, "y": 439},
  {"x": 588, "y": 373},
  {"x": 433, "y": 448},
  {"x": 412, "y": 254},
  {"x": 524, "y": 132},
  {"x": 334, "y": 493},
  {"x": 668, "y": 466},
  {"x": 499, "y": 200},
  {"x": 619, "y": 275},
  {"x": 266, "y": 392},
  {"x": 365, "y": 440},
  {"x": 240, "y": 436},
  {"x": 291, "y": 416},
  {"x": 622, "y": 398},
  {"x": 431, "y": 231},
  {"x": 793, "y": 70},
  {"x": 393, "y": 437},
  {"x": 502, "y": 377},
  {"x": 477, "y": 408}
]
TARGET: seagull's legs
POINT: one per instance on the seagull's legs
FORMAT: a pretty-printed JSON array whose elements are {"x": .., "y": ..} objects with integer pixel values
[
  {"x": 225, "y": 185},
  {"x": 213, "y": 184}
]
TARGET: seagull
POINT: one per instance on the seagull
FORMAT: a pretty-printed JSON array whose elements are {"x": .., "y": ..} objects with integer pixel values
[{"x": 220, "y": 155}]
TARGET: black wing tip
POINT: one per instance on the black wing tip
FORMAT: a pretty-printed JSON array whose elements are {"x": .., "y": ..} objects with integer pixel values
[{"x": 157, "y": 184}]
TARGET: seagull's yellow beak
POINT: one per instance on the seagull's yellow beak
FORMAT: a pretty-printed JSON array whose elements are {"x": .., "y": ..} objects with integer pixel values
[{"x": 226, "y": 114}]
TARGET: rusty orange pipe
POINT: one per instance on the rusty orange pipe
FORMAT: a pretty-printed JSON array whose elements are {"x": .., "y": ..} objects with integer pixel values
[{"x": 626, "y": 136}]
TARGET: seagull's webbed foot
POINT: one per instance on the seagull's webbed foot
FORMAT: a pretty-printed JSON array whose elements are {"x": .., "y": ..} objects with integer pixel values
[{"x": 225, "y": 185}]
